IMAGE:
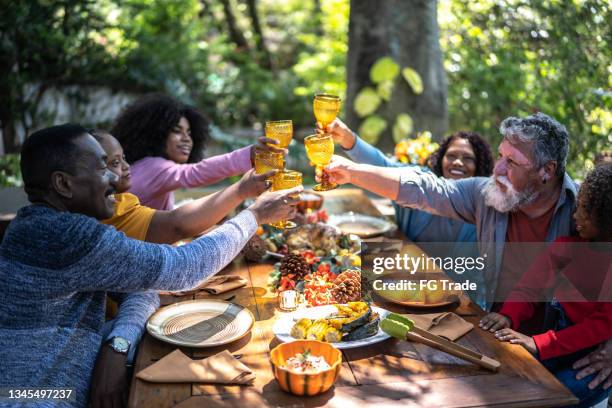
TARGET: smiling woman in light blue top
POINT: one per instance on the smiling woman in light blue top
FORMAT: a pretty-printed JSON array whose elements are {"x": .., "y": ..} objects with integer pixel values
[{"x": 460, "y": 155}]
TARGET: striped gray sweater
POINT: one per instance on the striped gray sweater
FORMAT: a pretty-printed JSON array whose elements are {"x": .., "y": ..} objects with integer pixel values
[{"x": 55, "y": 270}]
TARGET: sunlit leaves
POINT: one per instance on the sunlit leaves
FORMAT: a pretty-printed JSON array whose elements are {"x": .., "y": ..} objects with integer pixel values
[
  {"x": 385, "y": 90},
  {"x": 385, "y": 69},
  {"x": 414, "y": 80},
  {"x": 403, "y": 127},
  {"x": 371, "y": 128},
  {"x": 366, "y": 102}
]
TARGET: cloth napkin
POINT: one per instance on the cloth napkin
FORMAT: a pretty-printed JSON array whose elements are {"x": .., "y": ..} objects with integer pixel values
[
  {"x": 176, "y": 367},
  {"x": 448, "y": 325},
  {"x": 223, "y": 283},
  {"x": 216, "y": 285}
]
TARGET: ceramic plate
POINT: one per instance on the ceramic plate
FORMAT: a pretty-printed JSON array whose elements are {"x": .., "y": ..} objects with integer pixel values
[
  {"x": 282, "y": 327},
  {"x": 360, "y": 224},
  {"x": 200, "y": 323}
]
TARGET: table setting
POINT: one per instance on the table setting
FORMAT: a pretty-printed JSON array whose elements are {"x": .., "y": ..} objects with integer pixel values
[{"x": 299, "y": 328}]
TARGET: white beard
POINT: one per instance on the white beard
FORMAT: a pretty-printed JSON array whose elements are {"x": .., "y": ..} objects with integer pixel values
[{"x": 507, "y": 201}]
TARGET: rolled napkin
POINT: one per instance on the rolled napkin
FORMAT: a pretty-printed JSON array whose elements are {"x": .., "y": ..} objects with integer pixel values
[
  {"x": 448, "y": 325},
  {"x": 176, "y": 367}
]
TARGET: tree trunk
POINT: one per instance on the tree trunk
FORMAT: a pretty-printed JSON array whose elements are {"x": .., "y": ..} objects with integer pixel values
[
  {"x": 7, "y": 118},
  {"x": 264, "y": 59},
  {"x": 406, "y": 31},
  {"x": 235, "y": 34},
  {"x": 317, "y": 17}
]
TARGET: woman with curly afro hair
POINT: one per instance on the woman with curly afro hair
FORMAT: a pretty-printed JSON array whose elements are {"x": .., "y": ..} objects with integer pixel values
[
  {"x": 164, "y": 140},
  {"x": 575, "y": 269},
  {"x": 460, "y": 155}
]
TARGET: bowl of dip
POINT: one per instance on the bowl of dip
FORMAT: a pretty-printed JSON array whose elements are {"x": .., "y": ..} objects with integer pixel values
[{"x": 306, "y": 367}]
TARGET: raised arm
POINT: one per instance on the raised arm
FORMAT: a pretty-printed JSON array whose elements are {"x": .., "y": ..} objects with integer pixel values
[
  {"x": 356, "y": 148},
  {"x": 363, "y": 152},
  {"x": 203, "y": 213},
  {"x": 165, "y": 175},
  {"x": 413, "y": 188},
  {"x": 122, "y": 264}
]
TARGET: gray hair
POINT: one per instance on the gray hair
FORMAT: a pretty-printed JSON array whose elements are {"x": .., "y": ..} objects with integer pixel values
[{"x": 550, "y": 138}]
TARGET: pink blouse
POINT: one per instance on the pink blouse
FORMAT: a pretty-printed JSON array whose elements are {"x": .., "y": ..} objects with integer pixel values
[{"x": 154, "y": 179}]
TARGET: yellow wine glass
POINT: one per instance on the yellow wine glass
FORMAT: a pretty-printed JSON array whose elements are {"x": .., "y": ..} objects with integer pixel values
[
  {"x": 280, "y": 130},
  {"x": 266, "y": 160},
  {"x": 320, "y": 149},
  {"x": 283, "y": 180},
  {"x": 326, "y": 108}
]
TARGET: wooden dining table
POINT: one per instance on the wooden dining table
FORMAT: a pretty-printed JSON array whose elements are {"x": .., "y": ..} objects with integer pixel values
[{"x": 390, "y": 373}]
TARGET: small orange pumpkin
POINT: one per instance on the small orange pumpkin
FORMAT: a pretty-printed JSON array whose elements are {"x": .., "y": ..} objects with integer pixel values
[{"x": 305, "y": 384}]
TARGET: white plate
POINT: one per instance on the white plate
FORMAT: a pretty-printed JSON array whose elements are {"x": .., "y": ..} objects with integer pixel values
[
  {"x": 200, "y": 323},
  {"x": 360, "y": 224},
  {"x": 282, "y": 327}
]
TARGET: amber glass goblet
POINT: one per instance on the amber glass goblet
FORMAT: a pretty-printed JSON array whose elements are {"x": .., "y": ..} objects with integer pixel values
[
  {"x": 266, "y": 160},
  {"x": 320, "y": 149},
  {"x": 326, "y": 108},
  {"x": 284, "y": 180},
  {"x": 281, "y": 130}
]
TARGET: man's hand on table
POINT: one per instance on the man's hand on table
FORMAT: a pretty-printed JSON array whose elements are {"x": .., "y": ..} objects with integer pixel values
[
  {"x": 109, "y": 382},
  {"x": 599, "y": 361},
  {"x": 494, "y": 322}
]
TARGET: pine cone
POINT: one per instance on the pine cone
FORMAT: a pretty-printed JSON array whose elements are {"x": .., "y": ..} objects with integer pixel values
[
  {"x": 296, "y": 265},
  {"x": 347, "y": 287},
  {"x": 255, "y": 249}
]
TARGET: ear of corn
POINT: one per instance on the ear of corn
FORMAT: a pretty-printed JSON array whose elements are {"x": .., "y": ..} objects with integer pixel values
[
  {"x": 317, "y": 330},
  {"x": 300, "y": 329},
  {"x": 332, "y": 335}
]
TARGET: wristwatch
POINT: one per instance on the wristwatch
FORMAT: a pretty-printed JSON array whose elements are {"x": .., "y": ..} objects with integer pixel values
[{"x": 119, "y": 344}]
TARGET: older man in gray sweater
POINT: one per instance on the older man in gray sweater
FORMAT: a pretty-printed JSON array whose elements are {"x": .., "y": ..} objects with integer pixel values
[{"x": 57, "y": 262}]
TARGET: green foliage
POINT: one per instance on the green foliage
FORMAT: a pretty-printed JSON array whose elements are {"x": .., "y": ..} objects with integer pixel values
[
  {"x": 403, "y": 127},
  {"x": 366, "y": 102},
  {"x": 502, "y": 57},
  {"x": 385, "y": 69},
  {"x": 321, "y": 62},
  {"x": 384, "y": 73},
  {"x": 414, "y": 80},
  {"x": 371, "y": 128},
  {"x": 513, "y": 57},
  {"x": 45, "y": 44},
  {"x": 10, "y": 172}
]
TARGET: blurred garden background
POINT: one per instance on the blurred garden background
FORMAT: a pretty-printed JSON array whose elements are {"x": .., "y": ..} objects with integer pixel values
[{"x": 402, "y": 67}]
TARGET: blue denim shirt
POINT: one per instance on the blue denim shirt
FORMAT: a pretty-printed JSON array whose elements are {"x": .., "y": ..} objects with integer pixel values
[{"x": 421, "y": 226}]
